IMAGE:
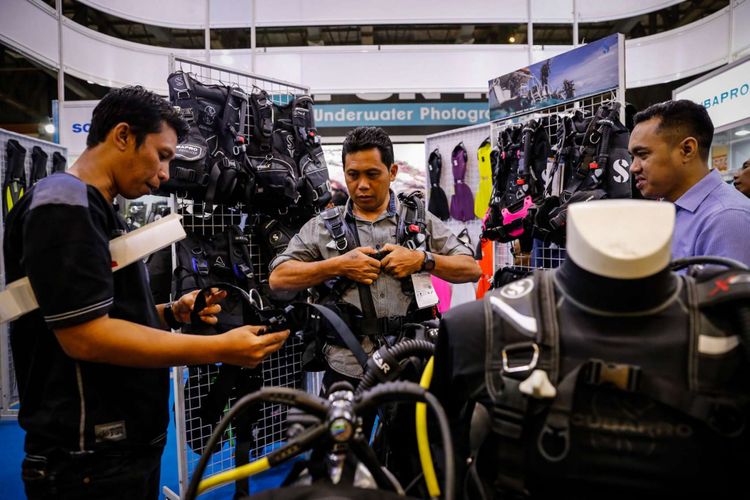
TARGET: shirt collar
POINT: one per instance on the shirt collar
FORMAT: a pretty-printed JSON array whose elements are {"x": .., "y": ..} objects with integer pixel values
[
  {"x": 694, "y": 196},
  {"x": 391, "y": 211}
]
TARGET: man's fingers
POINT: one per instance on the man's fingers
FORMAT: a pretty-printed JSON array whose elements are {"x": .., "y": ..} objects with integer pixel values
[
  {"x": 210, "y": 310},
  {"x": 216, "y": 296},
  {"x": 275, "y": 337},
  {"x": 367, "y": 250}
]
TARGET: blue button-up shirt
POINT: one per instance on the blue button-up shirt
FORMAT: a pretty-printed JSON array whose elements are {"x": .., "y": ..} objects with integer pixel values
[{"x": 713, "y": 218}]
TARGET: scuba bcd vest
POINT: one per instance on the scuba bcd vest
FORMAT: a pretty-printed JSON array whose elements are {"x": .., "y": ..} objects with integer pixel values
[
  {"x": 578, "y": 402},
  {"x": 295, "y": 135},
  {"x": 210, "y": 164},
  {"x": 594, "y": 155},
  {"x": 462, "y": 201},
  {"x": 438, "y": 204},
  {"x": 508, "y": 218},
  {"x": 203, "y": 260},
  {"x": 484, "y": 191},
  {"x": 411, "y": 232}
]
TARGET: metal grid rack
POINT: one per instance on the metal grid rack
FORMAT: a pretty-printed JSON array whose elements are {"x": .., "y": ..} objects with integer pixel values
[
  {"x": 508, "y": 254},
  {"x": 8, "y": 387},
  {"x": 281, "y": 369}
]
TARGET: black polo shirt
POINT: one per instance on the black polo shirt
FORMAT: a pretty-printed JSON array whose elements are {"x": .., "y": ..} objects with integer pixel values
[{"x": 58, "y": 235}]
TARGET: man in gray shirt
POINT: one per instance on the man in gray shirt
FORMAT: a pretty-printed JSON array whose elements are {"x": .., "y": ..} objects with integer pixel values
[{"x": 312, "y": 257}]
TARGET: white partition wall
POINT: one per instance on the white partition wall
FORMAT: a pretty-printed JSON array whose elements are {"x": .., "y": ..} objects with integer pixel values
[{"x": 29, "y": 25}]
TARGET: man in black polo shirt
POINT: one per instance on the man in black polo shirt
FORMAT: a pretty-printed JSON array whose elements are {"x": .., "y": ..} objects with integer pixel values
[{"x": 91, "y": 361}]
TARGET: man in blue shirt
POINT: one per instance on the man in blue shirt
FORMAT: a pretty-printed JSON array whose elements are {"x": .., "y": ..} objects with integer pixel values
[{"x": 670, "y": 145}]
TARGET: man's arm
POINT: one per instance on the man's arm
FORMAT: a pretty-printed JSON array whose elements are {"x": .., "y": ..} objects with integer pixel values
[
  {"x": 119, "y": 342},
  {"x": 725, "y": 235},
  {"x": 295, "y": 275}
]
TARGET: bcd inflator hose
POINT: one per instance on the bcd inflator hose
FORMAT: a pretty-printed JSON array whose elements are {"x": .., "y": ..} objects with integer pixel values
[
  {"x": 389, "y": 392},
  {"x": 383, "y": 365},
  {"x": 283, "y": 395},
  {"x": 383, "y": 393}
]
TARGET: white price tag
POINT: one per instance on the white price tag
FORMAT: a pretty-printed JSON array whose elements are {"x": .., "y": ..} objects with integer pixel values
[{"x": 424, "y": 292}]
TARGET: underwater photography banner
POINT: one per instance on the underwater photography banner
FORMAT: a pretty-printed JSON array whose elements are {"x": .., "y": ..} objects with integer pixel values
[{"x": 587, "y": 70}]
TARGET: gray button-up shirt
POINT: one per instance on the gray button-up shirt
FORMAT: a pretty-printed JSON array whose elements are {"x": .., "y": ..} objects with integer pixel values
[{"x": 314, "y": 243}]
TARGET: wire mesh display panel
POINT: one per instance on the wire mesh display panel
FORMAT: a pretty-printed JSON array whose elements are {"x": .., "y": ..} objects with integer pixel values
[
  {"x": 8, "y": 387},
  {"x": 507, "y": 255},
  {"x": 282, "y": 369}
]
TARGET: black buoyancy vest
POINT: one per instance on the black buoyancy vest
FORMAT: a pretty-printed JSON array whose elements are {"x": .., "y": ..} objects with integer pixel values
[
  {"x": 594, "y": 154},
  {"x": 673, "y": 426}
]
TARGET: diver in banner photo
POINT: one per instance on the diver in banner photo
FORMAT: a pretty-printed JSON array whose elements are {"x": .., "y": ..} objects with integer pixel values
[
  {"x": 670, "y": 145},
  {"x": 92, "y": 361}
]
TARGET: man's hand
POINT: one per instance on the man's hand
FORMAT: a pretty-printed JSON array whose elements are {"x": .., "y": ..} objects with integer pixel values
[
  {"x": 184, "y": 306},
  {"x": 357, "y": 265},
  {"x": 400, "y": 261},
  {"x": 248, "y": 345}
]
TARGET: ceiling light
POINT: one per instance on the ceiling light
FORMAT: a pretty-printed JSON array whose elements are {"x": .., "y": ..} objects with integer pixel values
[
  {"x": 49, "y": 128},
  {"x": 512, "y": 39},
  {"x": 742, "y": 133}
]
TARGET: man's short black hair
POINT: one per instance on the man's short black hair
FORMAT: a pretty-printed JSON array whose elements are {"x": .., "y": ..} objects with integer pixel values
[
  {"x": 682, "y": 119},
  {"x": 143, "y": 110},
  {"x": 364, "y": 138}
]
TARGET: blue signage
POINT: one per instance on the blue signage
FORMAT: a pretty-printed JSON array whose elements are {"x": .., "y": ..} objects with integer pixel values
[
  {"x": 400, "y": 114},
  {"x": 585, "y": 71}
]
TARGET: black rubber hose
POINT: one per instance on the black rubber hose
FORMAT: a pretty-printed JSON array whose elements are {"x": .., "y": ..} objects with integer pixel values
[
  {"x": 400, "y": 351},
  {"x": 409, "y": 391},
  {"x": 367, "y": 456},
  {"x": 284, "y": 395},
  {"x": 743, "y": 319},
  {"x": 719, "y": 261}
]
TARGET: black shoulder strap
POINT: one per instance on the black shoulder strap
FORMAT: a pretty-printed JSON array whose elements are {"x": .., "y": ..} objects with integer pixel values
[
  {"x": 412, "y": 226},
  {"x": 343, "y": 332},
  {"x": 346, "y": 238}
]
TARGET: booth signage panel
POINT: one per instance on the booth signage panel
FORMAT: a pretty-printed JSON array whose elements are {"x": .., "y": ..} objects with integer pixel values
[
  {"x": 558, "y": 80},
  {"x": 75, "y": 117},
  {"x": 725, "y": 96},
  {"x": 400, "y": 114}
]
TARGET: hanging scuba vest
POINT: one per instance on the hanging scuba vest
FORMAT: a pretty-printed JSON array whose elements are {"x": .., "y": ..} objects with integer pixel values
[
  {"x": 38, "y": 165},
  {"x": 15, "y": 175},
  {"x": 597, "y": 167},
  {"x": 511, "y": 210},
  {"x": 58, "y": 162},
  {"x": 203, "y": 260},
  {"x": 462, "y": 201},
  {"x": 564, "y": 412},
  {"x": 295, "y": 136},
  {"x": 210, "y": 164},
  {"x": 211, "y": 387},
  {"x": 438, "y": 204},
  {"x": 484, "y": 191}
]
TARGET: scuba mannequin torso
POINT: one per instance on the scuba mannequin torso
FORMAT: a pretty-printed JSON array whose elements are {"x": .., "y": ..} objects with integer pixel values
[{"x": 584, "y": 384}]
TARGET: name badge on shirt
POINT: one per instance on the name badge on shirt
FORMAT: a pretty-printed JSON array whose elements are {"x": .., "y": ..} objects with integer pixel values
[{"x": 424, "y": 292}]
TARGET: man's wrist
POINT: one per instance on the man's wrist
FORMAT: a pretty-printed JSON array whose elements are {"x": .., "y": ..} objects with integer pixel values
[{"x": 170, "y": 319}]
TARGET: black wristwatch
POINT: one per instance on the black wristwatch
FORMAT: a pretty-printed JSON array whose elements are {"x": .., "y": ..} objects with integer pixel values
[
  {"x": 170, "y": 319},
  {"x": 428, "y": 264}
]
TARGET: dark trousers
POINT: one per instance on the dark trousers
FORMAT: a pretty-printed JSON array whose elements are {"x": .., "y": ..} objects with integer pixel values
[{"x": 111, "y": 475}]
